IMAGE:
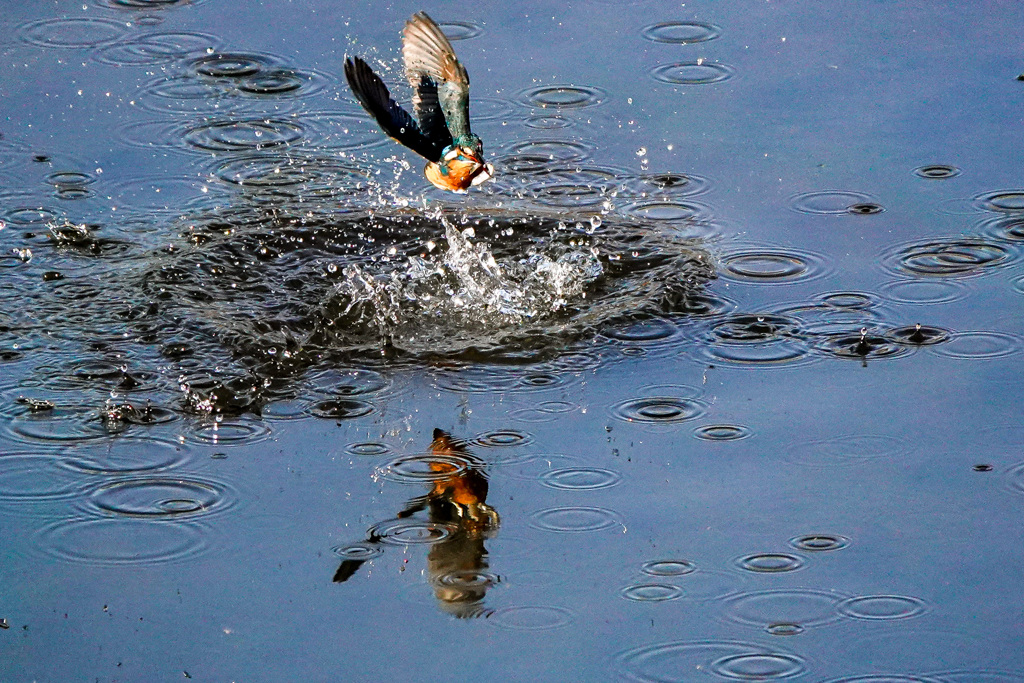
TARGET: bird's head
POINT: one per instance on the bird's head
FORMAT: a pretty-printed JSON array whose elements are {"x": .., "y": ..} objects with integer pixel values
[{"x": 461, "y": 165}]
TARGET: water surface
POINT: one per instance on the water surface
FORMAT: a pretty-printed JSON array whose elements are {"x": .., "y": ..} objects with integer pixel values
[{"x": 718, "y": 379}]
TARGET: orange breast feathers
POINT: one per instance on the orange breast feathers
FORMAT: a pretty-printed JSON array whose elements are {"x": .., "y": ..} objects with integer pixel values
[{"x": 455, "y": 174}]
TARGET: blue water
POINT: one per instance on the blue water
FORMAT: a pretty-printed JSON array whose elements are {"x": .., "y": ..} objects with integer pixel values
[{"x": 695, "y": 430}]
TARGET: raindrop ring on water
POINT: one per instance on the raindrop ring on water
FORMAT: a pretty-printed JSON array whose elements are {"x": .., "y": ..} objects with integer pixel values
[
  {"x": 692, "y": 73},
  {"x": 562, "y": 96},
  {"x": 680, "y": 32}
]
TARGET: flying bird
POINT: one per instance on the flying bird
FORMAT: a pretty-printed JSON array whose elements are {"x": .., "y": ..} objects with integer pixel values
[{"x": 440, "y": 132}]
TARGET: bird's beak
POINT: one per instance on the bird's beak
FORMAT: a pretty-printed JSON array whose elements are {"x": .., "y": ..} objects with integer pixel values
[{"x": 485, "y": 173}]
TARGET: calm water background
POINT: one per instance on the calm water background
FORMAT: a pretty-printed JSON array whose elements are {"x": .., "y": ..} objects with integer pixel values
[{"x": 771, "y": 473}]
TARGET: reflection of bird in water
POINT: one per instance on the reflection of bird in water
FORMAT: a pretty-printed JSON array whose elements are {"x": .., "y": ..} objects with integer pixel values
[
  {"x": 441, "y": 103},
  {"x": 457, "y": 565}
]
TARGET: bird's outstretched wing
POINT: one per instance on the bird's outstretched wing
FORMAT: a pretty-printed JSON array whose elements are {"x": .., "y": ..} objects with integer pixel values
[
  {"x": 428, "y": 111},
  {"x": 427, "y": 51},
  {"x": 393, "y": 120}
]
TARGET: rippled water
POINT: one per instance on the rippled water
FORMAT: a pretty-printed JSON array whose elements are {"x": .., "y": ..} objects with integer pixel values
[{"x": 717, "y": 379}]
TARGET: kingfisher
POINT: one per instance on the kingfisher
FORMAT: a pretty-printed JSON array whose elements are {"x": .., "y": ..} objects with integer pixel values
[{"x": 440, "y": 84}]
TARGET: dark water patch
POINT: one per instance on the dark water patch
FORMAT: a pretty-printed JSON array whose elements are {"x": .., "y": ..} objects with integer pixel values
[
  {"x": 867, "y": 344},
  {"x": 531, "y": 617},
  {"x": 668, "y": 567},
  {"x": 865, "y": 209},
  {"x": 147, "y": 414},
  {"x": 428, "y": 467},
  {"x": 651, "y": 592},
  {"x": 769, "y": 563},
  {"x": 241, "y": 135},
  {"x": 123, "y": 541},
  {"x": 846, "y": 450},
  {"x": 681, "y": 32},
  {"x": 924, "y": 292},
  {"x": 676, "y": 662},
  {"x": 1004, "y": 201},
  {"x": 412, "y": 532},
  {"x": 368, "y": 449},
  {"x": 341, "y": 409},
  {"x": 883, "y": 607},
  {"x": 580, "y": 478},
  {"x": 722, "y": 432},
  {"x": 278, "y": 279},
  {"x": 692, "y": 73},
  {"x": 954, "y": 257},
  {"x": 126, "y": 455},
  {"x": 461, "y": 30},
  {"x": 817, "y": 543},
  {"x": 71, "y": 32},
  {"x": 801, "y": 606},
  {"x": 773, "y": 266},
  {"x": 703, "y": 305},
  {"x": 562, "y": 96},
  {"x": 920, "y": 335},
  {"x": 659, "y": 410},
  {"x": 31, "y": 477},
  {"x": 503, "y": 438},
  {"x": 763, "y": 340},
  {"x": 64, "y": 425},
  {"x": 828, "y": 202},
  {"x": 663, "y": 185},
  {"x": 160, "y": 498},
  {"x": 234, "y": 432},
  {"x": 651, "y": 331},
  {"x": 575, "y": 519},
  {"x": 980, "y": 345},
  {"x": 937, "y": 171},
  {"x": 156, "y": 48}
]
